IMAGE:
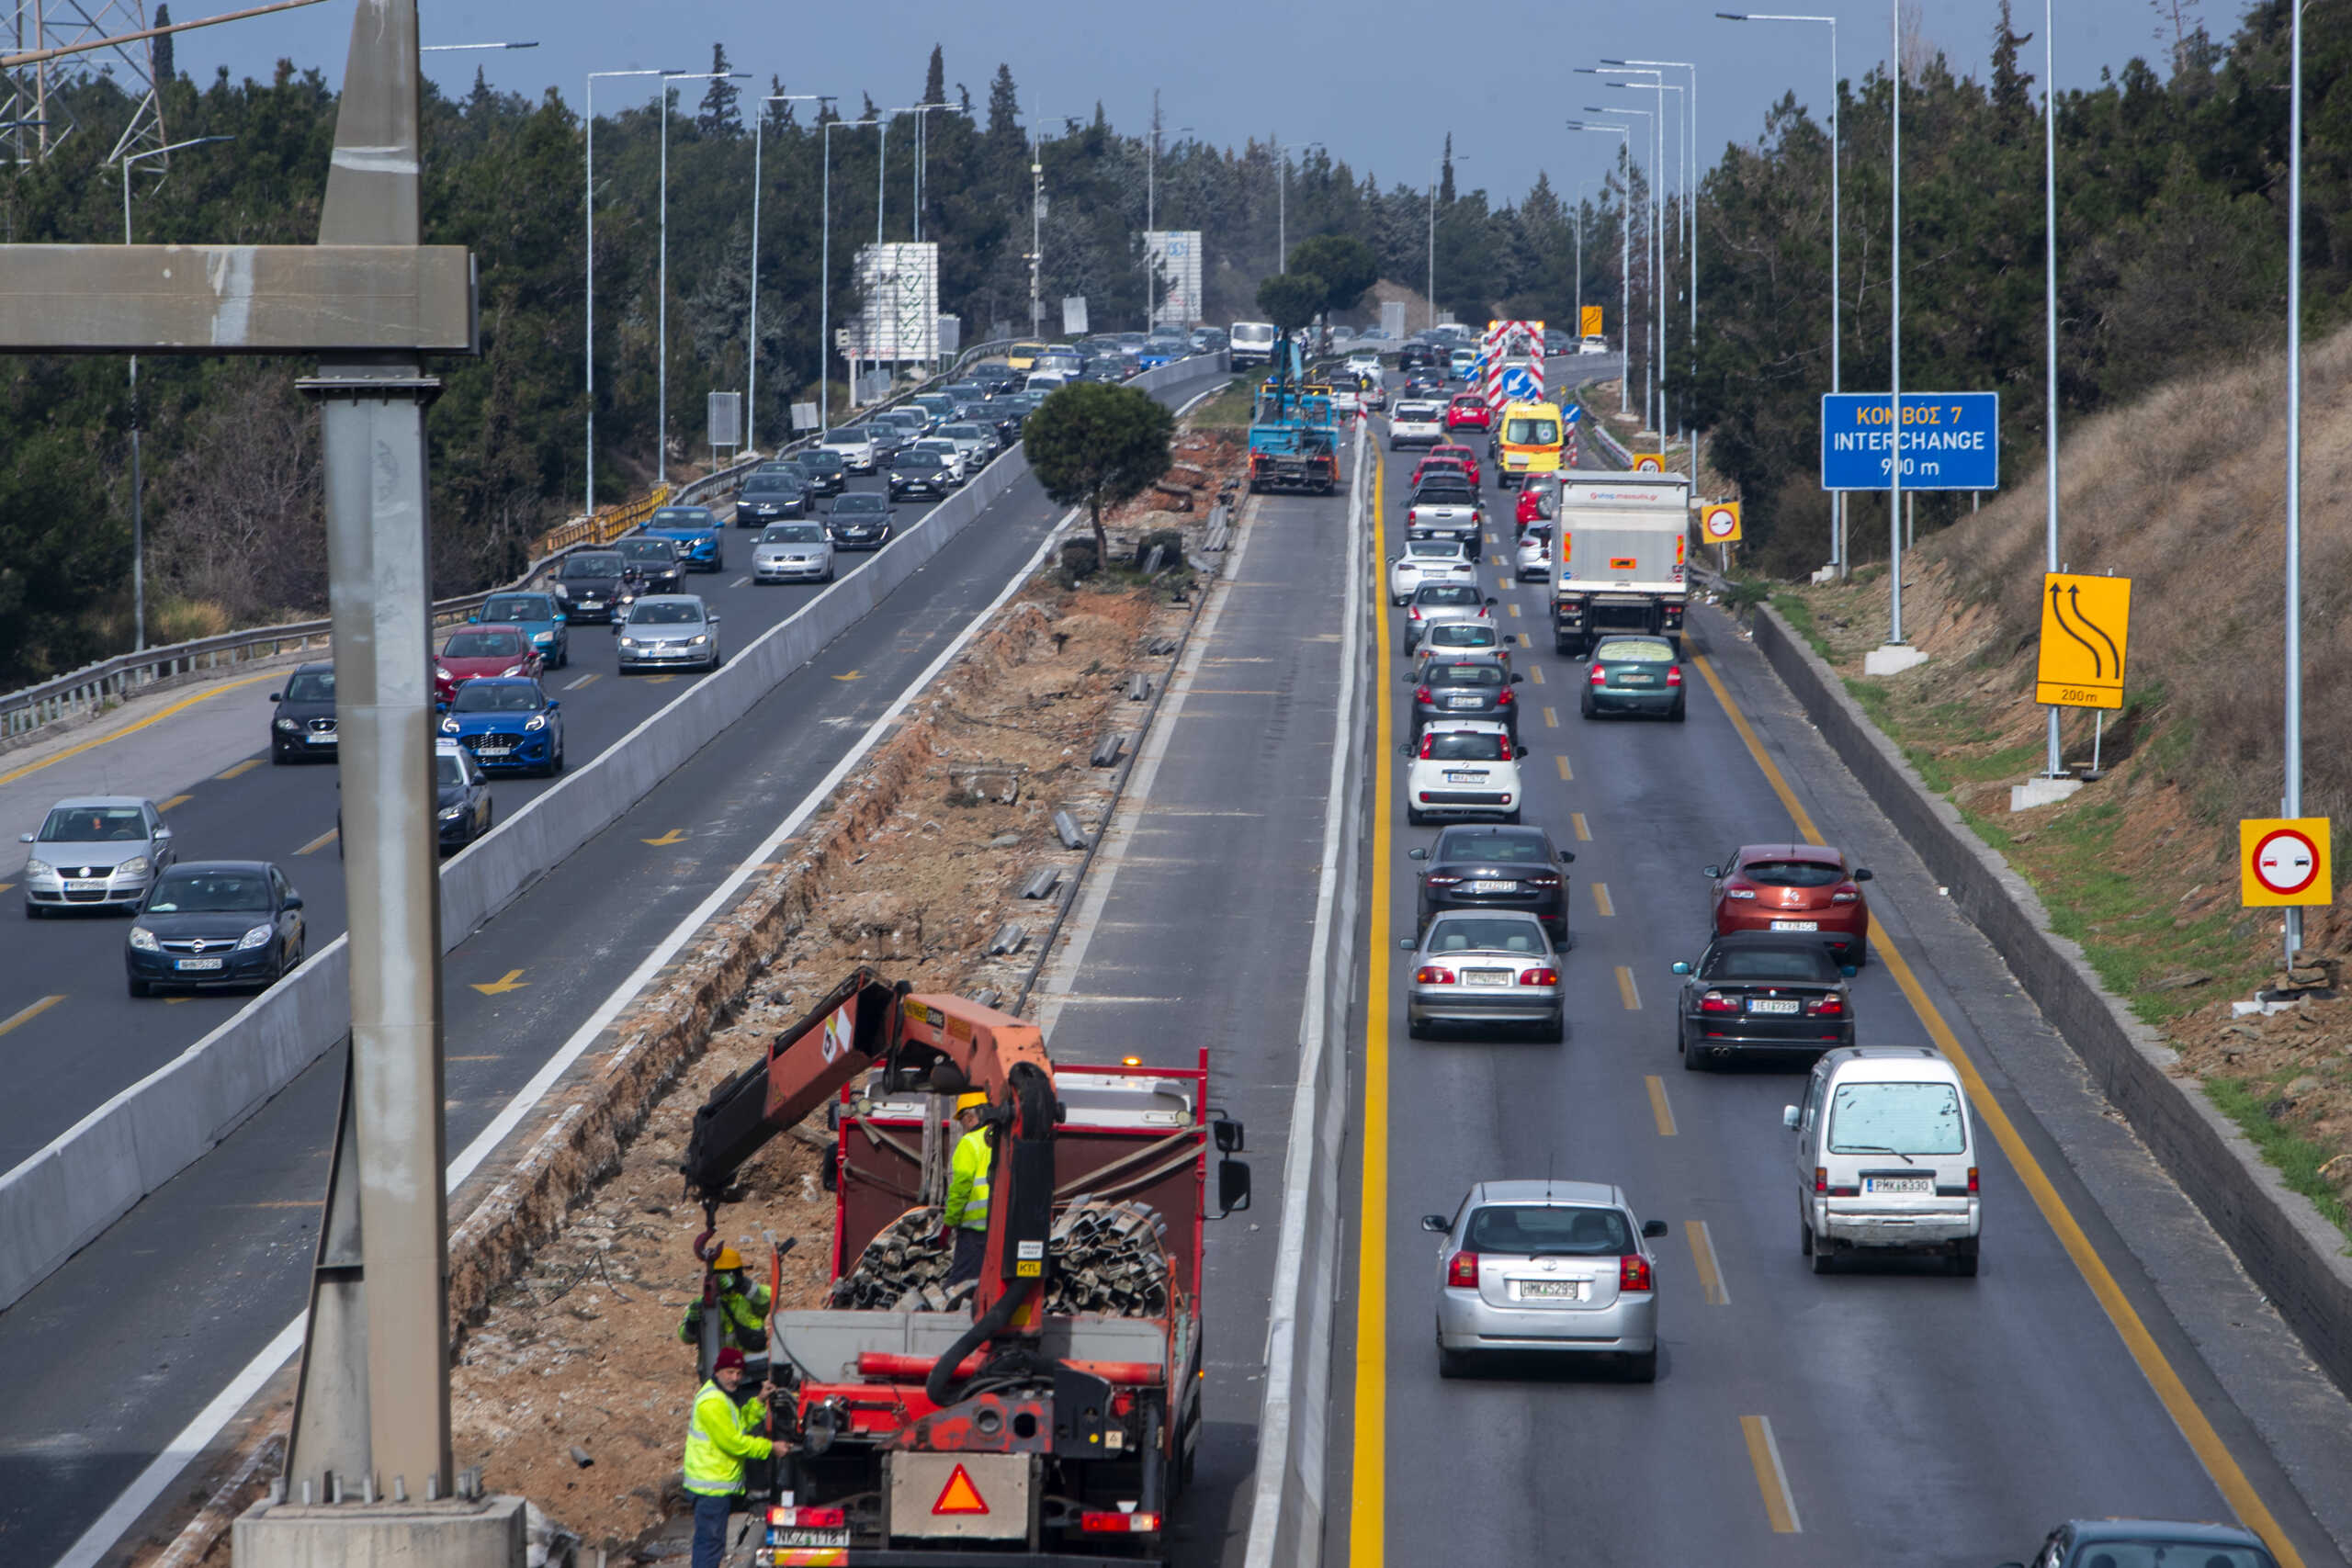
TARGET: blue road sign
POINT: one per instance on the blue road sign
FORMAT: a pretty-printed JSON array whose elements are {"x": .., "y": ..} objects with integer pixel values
[
  {"x": 1518, "y": 384},
  {"x": 1950, "y": 441}
]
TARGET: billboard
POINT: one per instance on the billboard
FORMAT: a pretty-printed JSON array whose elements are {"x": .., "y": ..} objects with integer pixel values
[
  {"x": 1171, "y": 259},
  {"x": 899, "y": 286}
]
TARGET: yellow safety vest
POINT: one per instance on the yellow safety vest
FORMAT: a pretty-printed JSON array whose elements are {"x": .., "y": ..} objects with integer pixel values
[
  {"x": 968, "y": 1181},
  {"x": 720, "y": 1437}
]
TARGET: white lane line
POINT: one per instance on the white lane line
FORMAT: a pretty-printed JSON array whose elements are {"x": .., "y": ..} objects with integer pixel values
[
  {"x": 575, "y": 685},
  {"x": 738, "y": 582}
]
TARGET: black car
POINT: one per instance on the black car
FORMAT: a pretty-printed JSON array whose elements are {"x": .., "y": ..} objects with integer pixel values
[
  {"x": 921, "y": 474},
  {"x": 771, "y": 496},
  {"x": 303, "y": 724},
  {"x": 1763, "y": 994},
  {"x": 214, "y": 922},
  {"x": 1424, "y": 383},
  {"x": 654, "y": 564},
  {"x": 2112, "y": 1543},
  {"x": 1495, "y": 867},
  {"x": 1416, "y": 356},
  {"x": 589, "y": 584},
  {"x": 890, "y": 437},
  {"x": 828, "y": 475},
  {"x": 461, "y": 808},
  {"x": 999, "y": 379},
  {"x": 1467, "y": 686},
  {"x": 860, "y": 521},
  {"x": 966, "y": 391}
]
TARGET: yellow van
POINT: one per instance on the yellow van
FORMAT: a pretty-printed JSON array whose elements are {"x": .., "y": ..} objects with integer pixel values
[
  {"x": 1025, "y": 355},
  {"x": 1529, "y": 439}
]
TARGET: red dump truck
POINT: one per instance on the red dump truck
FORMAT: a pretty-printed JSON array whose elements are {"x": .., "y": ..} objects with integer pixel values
[{"x": 1048, "y": 1412}]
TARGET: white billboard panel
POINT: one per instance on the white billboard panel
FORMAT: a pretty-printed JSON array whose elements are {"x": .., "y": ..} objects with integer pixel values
[
  {"x": 899, "y": 286},
  {"x": 1173, "y": 260}
]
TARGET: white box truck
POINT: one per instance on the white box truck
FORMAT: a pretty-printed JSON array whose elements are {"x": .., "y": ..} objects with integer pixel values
[
  {"x": 1619, "y": 557},
  {"x": 1252, "y": 342}
]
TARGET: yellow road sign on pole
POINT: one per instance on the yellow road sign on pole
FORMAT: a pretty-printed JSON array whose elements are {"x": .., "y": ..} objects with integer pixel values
[
  {"x": 1649, "y": 462},
  {"x": 1719, "y": 522},
  {"x": 2284, "y": 860},
  {"x": 2086, "y": 630},
  {"x": 1591, "y": 322}
]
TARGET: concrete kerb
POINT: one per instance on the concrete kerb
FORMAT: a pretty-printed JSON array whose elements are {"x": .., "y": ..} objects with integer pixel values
[
  {"x": 1287, "y": 1510},
  {"x": 2290, "y": 1250},
  {"x": 58, "y": 1200}
]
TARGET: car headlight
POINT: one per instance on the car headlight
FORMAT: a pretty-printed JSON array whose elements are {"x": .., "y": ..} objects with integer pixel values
[
  {"x": 512, "y": 669},
  {"x": 449, "y": 814},
  {"x": 449, "y": 727},
  {"x": 143, "y": 938},
  {"x": 628, "y": 642},
  {"x": 254, "y": 938},
  {"x": 39, "y": 868},
  {"x": 562, "y": 591},
  {"x": 548, "y": 635},
  {"x": 289, "y": 726},
  {"x": 137, "y": 865},
  {"x": 698, "y": 641},
  {"x": 536, "y": 721}
]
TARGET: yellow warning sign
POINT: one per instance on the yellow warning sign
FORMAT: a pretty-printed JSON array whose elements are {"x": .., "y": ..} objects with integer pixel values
[
  {"x": 1719, "y": 522},
  {"x": 1649, "y": 462},
  {"x": 1591, "y": 321},
  {"x": 2086, "y": 630},
  {"x": 959, "y": 1495},
  {"x": 2284, "y": 860}
]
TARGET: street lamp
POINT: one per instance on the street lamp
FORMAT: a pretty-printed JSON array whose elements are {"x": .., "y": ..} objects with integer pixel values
[
  {"x": 662, "y": 377},
  {"x": 922, "y": 152},
  {"x": 1434, "y": 163},
  {"x": 1037, "y": 218},
  {"x": 1151, "y": 206},
  {"x": 1282, "y": 200},
  {"x": 431, "y": 48},
  {"x": 589, "y": 206},
  {"x": 1681, "y": 203},
  {"x": 1690, "y": 200},
  {"x": 1625, "y": 133},
  {"x": 2292, "y": 738},
  {"x": 1650, "y": 359},
  {"x": 751, "y": 343},
  {"x": 1838, "y": 551},
  {"x": 825, "y": 278},
  {"x": 138, "y": 512}
]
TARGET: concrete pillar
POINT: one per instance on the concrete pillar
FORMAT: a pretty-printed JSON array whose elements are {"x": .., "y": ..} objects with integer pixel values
[{"x": 484, "y": 1532}]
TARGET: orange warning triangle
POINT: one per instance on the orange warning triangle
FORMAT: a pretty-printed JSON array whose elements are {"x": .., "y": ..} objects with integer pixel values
[{"x": 960, "y": 1496}]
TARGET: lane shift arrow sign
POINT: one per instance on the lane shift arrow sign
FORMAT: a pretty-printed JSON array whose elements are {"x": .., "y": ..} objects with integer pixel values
[
  {"x": 513, "y": 981},
  {"x": 675, "y": 836}
]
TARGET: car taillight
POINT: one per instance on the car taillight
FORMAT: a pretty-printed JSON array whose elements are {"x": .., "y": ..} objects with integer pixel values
[
  {"x": 1971, "y": 1178},
  {"x": 1439, "y": 879},
  {"x": 1633, "y": 1273},
  {"x": 1428, "y": 744},
  {"x": 1504, "y": 701},
  {"x": 1715, "y": 1001},
  {"x": 1828, "y": 1006},
  {"x": 1412, "y": 514},
  {"x": 1425, "y": 798},
  {"x": 1422, "y": 694},
  {"x": 1539, "y": 976},
  {"x": 1432, "y": 975},
  {"x": 1674, "y": 674},
  {"x": 1506, "y": 797},
  {"x": 1599, "y": 676},
  {"x": 1739, "y": 893},
  {"x": 1462, "y": 1272},
  {"x": 1542, "y": 879},
  {"x": 808, "y": 1519},
  {"x": 1844, "y": 894},
  {"x": 1821, "y": 1179},
  {"x": 1415, "y": 612},
  {"x": 1093, "y": 1523}
]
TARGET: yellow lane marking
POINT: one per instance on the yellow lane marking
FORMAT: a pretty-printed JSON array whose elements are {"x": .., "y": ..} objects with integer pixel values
[
  {"x": 665, "y": 680},
  {"x": 2203, "y": 1440},
  {"x": 1703, "y": 1254},
  {"x": 1523, "y": 641},
  {"x": 1567, "y": 774},
  {"x": 27, "y": 1014},
  {"x": 676, "y": 835},
  {"x": 248, "y": 765},
  {"x": 1771, "y": 1479},
  {"x": 5, "y": 885},
  {"x": 276, "y": 1202},
  {"x": 512, "y": 981},
  {"x": 182, "y": 705},
  {"x": 321, "y": 841},
  {"x": 1550, "y": 719},
  {"x": 1626, "y": 992},
  {"x": 474, "y": 1058},
  {"x": 1660, "y": 1110},
  {"x": 1368, "y": 1519},
  {"x": 1537, "y": 674},
  {"x": 175, "y": 800},
  {"x": 853, "y": 675},
  {"x": 1600, "y": 898},
  {"x": 1514, "y": 610},
  {"x": 175, "y": 1001},
  {"x": 1584, "y": 834}
]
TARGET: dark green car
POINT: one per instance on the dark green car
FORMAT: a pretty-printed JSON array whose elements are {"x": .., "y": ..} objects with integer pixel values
[{"x": 1634, "y": 674}]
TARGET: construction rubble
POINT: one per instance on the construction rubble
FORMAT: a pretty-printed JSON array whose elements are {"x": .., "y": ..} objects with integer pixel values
[{"x": 1108, "y": 1257}]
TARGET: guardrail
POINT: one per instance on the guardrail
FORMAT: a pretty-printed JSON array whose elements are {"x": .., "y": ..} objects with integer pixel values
[{"x": 603, "y": 526}]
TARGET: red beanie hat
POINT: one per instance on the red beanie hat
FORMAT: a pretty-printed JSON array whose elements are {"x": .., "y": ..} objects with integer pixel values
[{"x": 730, "y": 1357}]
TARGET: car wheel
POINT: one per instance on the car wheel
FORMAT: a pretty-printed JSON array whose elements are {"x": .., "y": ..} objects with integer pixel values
[
  {"x": 1963, "y": 1258},
  {"x": 1415, "y": 1029},
  {"x": 1452, "y": 1363},
  {"x": 1816, "y": 1252},
  {"x": 139, "y": 987},
  {"x": 554, "y": 765},
  {"x": 277, "y": 759},
  {"x": 1413, "y": 818},
  {"x": 1584, "y": 706},
  {"x": 1690, "y": 1063},
  {"x": 1511, "y": 818},
  {"x": 1555, "y": 1031},
  {"x": 1674, "y": 713},
  {"x": 1643, "y": 1366}
]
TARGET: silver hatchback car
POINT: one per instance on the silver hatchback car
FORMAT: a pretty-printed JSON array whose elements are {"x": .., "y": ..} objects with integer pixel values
[
  {"x": 1556, "y": 1268},
  {"x": 94, "y": 851},
  {"x": 669, "y": 631},
  {"x": 792, "y": 552},
  {"x": 1477, "y": 966}
]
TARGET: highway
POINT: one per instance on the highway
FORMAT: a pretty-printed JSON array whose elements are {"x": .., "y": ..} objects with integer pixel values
[
  {"x": 183, "y": 1293},
  {"x": 1879, "y": 1414}
]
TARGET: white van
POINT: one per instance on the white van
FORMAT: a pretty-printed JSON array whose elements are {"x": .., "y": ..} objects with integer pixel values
[
  {"x": 1252, "y": 342},
  {"x": 1885, "y": 1156},
  {"x": 1047, "y": 382}
]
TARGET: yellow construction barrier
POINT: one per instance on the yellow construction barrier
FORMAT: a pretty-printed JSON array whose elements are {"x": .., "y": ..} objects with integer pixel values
[{"x": 603, "y": 528}]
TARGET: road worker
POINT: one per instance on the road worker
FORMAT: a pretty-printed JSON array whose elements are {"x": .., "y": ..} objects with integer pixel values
[
  {"x": 743, "y": 1306},
  {"x": 966, "y": 1218},
  {"x": 720, "y": 1435}
]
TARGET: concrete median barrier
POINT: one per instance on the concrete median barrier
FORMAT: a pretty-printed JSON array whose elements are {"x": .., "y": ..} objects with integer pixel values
[{"x": 58, "y": 1200}]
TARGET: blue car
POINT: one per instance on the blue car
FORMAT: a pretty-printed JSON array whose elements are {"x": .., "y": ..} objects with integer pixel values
[
  {"x": 507, "y": 722},
  {"x": 697, "y": 532},
  {"x": 541, "y": 618}
]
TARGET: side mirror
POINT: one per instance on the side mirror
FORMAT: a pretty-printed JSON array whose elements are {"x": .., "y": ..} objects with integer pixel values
[
  {"x": 278, "y": 696},
  {"x": 1680, "y": 967},
  {"x": 293, "y": 900},
  {"x": 1232, "y": 1186},
  {"x": 161, "y": 834},
  {"x": 1492, "y": 600},
  {"x": 1653, "y": 1228},
  {"x": 1710, "y": 871},
  {"x": 24, "y": 838},
  {"x": 713, "y": 620},
  {"x": 439, "y": 706},
  {"x": 561, "y": 618},
  {"x": 1567, "y": 857},
  {"x": 1404, "y": 944},
  {"x": 1229, "y": 1134},
  {"x": 474, "y": 619},
  {"x": 1862, "y": 875},
  {"x": 1417, "y": 854},
  {"x": 1516, "y": 679},
  {"x": 1435, "y": 1223},
  {"x": 553, "y": 705},
  {"x": 1789, "y": 1117}
]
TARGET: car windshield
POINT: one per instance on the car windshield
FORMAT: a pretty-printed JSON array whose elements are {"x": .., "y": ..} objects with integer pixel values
[
  {"x": 93, "y": 825},
  {"x": 489, "y": 696},
  {"x": 1439, "y": 594},
  {"x": 1532, "y": 432},
  {"x": 936, "y": 444},
  {"x": 919, "y": 461},
  {"x": 864, "y": 503},
  {"x": 190, "y": 892},
  {"x": 1526, "y": 848},
  {"x": 1634, "y": 650},
  {"x": 1908, "y": 1118},
  {"x": 312, "y": 687},
  {"x": 771, "y": 484},
  {"x": 652, "y": 613},
  {"x": 518, "y": 607},
  {"x": 1435, "y": 549},
  {"x": 1535, "y": 1230},
  {"x": 593, "y": 566},
  {"x": 821, "y": 462},
  {"x": 794, "y": 533},
  {"x": 447, "y": 771},
  {"x": 1792, "y": 872},
  {"x": 1796, "y": 961},
  {"x": 660, "y": 551},
  {"x": 1463, "y": 746},
  {"x": 681, "y": 517},
  {"x": 1444, "y": 674},
  {"x": 482, "y": 645},
  {"x": 2167, "y": 1554},
  {"x": 1461, "y": 635},
  {"x": 963, "y": 432}
]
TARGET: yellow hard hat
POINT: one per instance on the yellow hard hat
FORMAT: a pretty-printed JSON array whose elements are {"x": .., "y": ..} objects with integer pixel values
[
  {"x": 974, "y": 1100},
  {"x": 728, "y": 1258}
]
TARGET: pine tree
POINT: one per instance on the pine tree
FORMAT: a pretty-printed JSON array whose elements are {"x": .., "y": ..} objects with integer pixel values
[
  {"x": 160, "y": 52},
  {"x": 1445, "y": 181},
  {"x": 718, "y": 116},
  {"x": 934, "y": 81},
  {"x": 2012, "y": 88}
]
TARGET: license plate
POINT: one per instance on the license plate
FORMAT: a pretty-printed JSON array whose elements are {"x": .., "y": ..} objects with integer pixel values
[
  {"x": 85, "y": 888},
  {"x": 1796, "y": 925},
  {"x": 1490, "y": 887},
  {"x": 1553, "y": 1290},
  {"x": 1486, "y": 976},
  {"x": 495, "y": 751},
  {"x": 1463, "y": 703},
  {"x": 1897, "y": 1184},
  {"x": 1639, "y": 680},
  {"x": 193, "y": 963},
  {"x": 1466, "y": 778},
  {"x": 1771, "y": 1004},
  {"x": 780, "y": 1537},
  {"x": 328, "y": 739}
]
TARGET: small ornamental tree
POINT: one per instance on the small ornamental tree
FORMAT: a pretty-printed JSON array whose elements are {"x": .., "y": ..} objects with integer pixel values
[
  {"x": 1096, "y": 445},
  {"x": 1345, "y": 264},
  {"x": 1291, "y": 299}
]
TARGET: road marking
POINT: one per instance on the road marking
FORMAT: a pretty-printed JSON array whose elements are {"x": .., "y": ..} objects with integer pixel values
[
  {"x": 1537, "y": 674},
  {"x": 1703, "y": 1254},
  {"x": 659, "y": 680},
  {"x": 2203, "y": 1440},
  {"x": 26, "y": 1015},
  {"x": 248, "y": 765},
  {"x": 1660, "y": 1110},
  {"x": 1601, "y": 894},
  {"x": 575, "y": 685},
  {"x": 321, "y": 841},
  {"x": 1568, "y": 775},
  {"x": 1550, "y": 719},
  {"x": 1524, "y": 642},
  {"x": 738, "y": 582},
  {"x": 853, "y": 675},
  {"x": 1368, "y": 1519},
  {"x": 1627, "y": 990},
  {"x": 5, "y": 885},
  {"x": 476, "y": 1058},
  {"x": 1514, "y": 609},
  {"x": 510, "y": 981},
  {"x": 676, "y": 835},
  {"x": 1764, "y": 1453},
  {"x": 1576, "y": 819},
  {"x": 175, "y": 800},
  {"x": 183, "y": 704}
]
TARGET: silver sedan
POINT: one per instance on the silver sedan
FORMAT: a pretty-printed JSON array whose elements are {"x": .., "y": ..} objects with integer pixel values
[
  {"x": 669, "y": 631},
  {"x": 1549, "y": 1268},
  {"x": 94, "y": 851},
  {"x": 1485, "y": 967}
]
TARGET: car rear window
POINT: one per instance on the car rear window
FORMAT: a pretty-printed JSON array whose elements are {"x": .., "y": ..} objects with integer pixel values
[
  {"x": 1444, "y": 495},
  {"x": 1462, "y": 634},
  {"x": 1793, "y": 873},
  {"x": 518, "y": 607},
  {"x": 1549, "y": 1229},
  {"x": 1521, "y": 848},
  {"x": 1436, "y": 548},
  {"x": 1634, "y": 650},
  {"x": 1445, "y": 674},
  {"x": 1467, "y": 933},
  {"x": 1442, "y": 594},
  {"x": 647, "y": 549},
  {"x": 1906, "y": 1118},
  {"x": 1463, "y": 746},
  {"x": 1798, "y": 961}
]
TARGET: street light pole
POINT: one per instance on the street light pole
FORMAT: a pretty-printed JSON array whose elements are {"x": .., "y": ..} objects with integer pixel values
[
  {"x": 2049, "y": 328},
  {"x": 1037, "y": 223},
  {"x": 1151, "y": 206},
  {"x": 662, "y": 374},
  {"x": 2293, "y": 733},
  {"x": 825, "y": 278},
  {"x": 1624, "y": 134},
  {"x": 752, "y": 334},
  {"x": 1894, "y": 335},
  {"x": 1682, "y": 205},
  {"x": 589, "y": 206},
  {"x": 1690, "y": 133},
  {"x": 1650, "y": 389}
]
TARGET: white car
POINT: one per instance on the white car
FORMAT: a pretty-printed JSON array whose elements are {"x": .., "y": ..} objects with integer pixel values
[
  {"x": 971, "y": 441},
  {"x": 1344, "y": 400},
  {"x": 1364, "y": 362},
  {"x": 1535, "y": 552},
  {"x": 792, "y": 552},
  {"x": 1462, "y": 768},
  {"x": 1885, "y": 1157},
  {"x": 1430, "y": 560},
  {"x": 854, "y": 446},
  {"x": 1594, "y": 344},
  {"x": 1416, "y": 422}
]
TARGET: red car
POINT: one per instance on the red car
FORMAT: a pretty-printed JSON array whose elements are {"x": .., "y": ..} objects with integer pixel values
[
  {"x": 1794, "y": 887},
  {"x": 1468, "y": 458},
  {"x": 1469, "y": 411},
  {"x": 483, "y": 651},
  {"x": 1451, "y": 464}
]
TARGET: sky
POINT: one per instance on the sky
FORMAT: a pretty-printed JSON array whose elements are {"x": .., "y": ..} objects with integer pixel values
[{"x": 1353, "y": 78}]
